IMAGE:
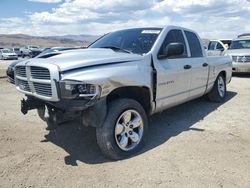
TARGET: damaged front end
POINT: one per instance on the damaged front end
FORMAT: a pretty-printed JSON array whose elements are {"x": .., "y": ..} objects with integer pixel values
[
  {"x": 55, "y": 113},
  {"x": 77, "y": 100}
]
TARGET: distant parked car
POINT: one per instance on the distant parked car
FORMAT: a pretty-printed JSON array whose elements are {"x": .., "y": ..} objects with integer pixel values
[
  {"x": 217, "y": 47},
  {"x": 7, "y": 54},
  {"x": 16, "y": 50},
  {"x": 239, "y": 50},
  {"x": 30, "y": 51}
]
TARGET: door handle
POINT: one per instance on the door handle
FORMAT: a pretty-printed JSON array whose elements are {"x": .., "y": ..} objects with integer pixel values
[
  {"x": 187, "y": 67},
  {"x": 204, "y": 64}
]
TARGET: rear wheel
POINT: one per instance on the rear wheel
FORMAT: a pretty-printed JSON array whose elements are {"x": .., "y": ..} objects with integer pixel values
[
  {"x": 218, "y": 92},
  {"x": 124, "y": 130}
]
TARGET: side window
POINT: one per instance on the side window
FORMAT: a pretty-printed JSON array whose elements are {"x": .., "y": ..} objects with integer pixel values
[
  {"x": 174, "y": 36},
  {"x": 194, "y": 44},
  {"x": 219, "y": 47},
  {"x": 212, "y": 45}
]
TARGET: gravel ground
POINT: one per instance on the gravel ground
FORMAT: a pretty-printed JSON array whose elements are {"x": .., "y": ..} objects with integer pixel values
[{"x": 197, "y": 144}]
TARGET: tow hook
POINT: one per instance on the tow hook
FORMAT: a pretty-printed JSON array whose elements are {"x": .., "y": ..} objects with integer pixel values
[
  {"x": 24, "y": 107},
  {"x": 29, "y": 104}
]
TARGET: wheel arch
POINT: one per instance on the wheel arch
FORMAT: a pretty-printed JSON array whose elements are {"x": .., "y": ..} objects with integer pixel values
[
  {"x": 140, "y": 94},
  {"x": 224, "y": 73}
]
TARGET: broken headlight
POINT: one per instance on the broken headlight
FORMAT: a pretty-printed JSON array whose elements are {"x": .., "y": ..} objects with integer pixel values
[{"x": 73, "y": 89}]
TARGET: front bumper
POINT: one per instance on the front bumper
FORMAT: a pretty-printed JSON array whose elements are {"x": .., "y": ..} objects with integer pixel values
[
  {"x": 63, "y": 106},
  {"x": 241, "y": 67},
  {"x": 65, "y": 110}
]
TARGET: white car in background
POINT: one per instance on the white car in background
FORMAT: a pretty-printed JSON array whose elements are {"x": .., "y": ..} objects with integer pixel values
[
  {"x": 239, "y": 50},
  {"x": 30, "y": 51},
  {"x": 8, "y": 54},
  {"x": 217, "y": 47}
]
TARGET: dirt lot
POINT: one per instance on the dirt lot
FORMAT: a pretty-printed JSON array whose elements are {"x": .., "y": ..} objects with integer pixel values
[{"x": 197, "y": 144}]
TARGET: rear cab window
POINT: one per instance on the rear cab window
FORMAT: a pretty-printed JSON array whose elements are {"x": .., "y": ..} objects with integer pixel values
[{"x": 194, "y": 44}]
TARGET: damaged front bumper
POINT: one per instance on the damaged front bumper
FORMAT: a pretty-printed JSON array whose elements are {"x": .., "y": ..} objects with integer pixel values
[{"x": 64, "y": 110}]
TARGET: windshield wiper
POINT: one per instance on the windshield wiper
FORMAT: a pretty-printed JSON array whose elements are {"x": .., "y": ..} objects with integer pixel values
[{"x": 117, "y": 48}]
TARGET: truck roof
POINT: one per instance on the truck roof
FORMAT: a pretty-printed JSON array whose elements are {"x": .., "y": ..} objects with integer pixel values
[
  {"x": 244, "y": 35},
  {"x": 242, "y": 38}
]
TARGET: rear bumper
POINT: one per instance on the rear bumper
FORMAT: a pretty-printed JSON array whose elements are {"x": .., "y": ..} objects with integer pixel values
[{"x": 241, "y": 67}]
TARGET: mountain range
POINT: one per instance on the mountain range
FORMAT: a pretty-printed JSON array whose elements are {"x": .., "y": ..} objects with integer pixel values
[{"x": 18, "y": 40}]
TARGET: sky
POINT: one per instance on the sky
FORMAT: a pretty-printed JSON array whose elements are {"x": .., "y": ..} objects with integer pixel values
[{"x": 212, "y": 19}]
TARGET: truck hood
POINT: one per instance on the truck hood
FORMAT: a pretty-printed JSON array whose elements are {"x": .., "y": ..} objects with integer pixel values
[
  {"x": 239, "y": 52},
  {"x": 73, "y": 59}
]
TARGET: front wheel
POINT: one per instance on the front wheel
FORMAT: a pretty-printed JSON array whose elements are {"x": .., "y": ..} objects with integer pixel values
[
  {"x": 219, "y": 90},
  {"x": 124, "y": 130}
]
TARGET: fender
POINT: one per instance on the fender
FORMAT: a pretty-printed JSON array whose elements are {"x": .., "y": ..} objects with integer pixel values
[{"x": 94, "y": 116}]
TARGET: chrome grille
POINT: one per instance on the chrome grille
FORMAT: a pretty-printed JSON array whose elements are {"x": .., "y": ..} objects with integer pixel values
[
  {"x": 241, "y": 59},
  {"x": 21, "y": 71},
  {"x": 37, "y": 81},
  {"x": 40, "y": 73},
  {"x": 23, "y": 85},
  {"x": 43, "y": 89}
]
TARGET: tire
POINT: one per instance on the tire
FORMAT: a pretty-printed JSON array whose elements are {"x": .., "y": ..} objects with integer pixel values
[
  {"x": 219, "y": 90},
  {"x": 108, "y": 137}
]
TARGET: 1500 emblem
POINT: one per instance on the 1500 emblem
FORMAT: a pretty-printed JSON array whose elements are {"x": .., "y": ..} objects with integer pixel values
[{"x": 166, "y": 83}]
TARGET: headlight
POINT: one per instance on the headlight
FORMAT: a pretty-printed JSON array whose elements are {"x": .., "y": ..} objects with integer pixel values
[{"x": 73, "y": 89}]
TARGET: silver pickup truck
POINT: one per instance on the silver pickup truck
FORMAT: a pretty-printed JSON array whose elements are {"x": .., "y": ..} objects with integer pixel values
[{"x": 120, "y": 80}]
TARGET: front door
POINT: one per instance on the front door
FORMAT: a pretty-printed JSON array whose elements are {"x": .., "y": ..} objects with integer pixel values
[{"x": 173, "y": 74}]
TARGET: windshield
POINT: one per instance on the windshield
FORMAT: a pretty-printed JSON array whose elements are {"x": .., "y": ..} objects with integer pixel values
[
  {"x": 240, "y": 44},
  {"x": 139, "y": 41}
]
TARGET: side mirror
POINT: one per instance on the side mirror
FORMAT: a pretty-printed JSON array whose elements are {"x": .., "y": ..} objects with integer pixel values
[{"x": 172, "y": 49}]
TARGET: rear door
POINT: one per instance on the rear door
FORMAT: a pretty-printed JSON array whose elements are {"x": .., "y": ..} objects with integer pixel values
[
  {"x": 200, "y": 67},
  {"x": 173, "y": 80}
]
